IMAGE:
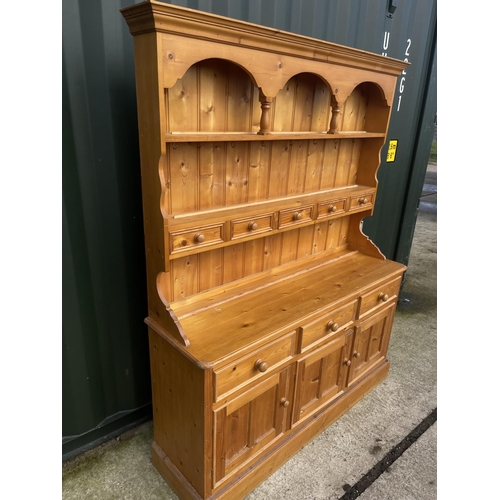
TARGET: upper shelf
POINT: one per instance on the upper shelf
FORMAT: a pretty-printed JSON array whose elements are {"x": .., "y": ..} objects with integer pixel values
[
  {"x": 272, "y": 136},
  {"x": 216, "y": 100}
]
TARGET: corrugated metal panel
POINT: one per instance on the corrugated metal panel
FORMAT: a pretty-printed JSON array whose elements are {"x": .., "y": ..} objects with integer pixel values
[
  {"x": 410, "y": 35},
  {"x": 105, "y": 352},
  {"x": 422, "y": 145},
  {"x": 105, "y": 359}
]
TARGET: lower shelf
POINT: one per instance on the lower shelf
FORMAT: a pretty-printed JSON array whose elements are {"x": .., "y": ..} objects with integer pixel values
[{"x": 218, "y": 327}]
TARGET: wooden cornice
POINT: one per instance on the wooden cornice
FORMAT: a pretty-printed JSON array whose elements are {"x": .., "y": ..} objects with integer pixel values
[{"x": 154, "y": 16}]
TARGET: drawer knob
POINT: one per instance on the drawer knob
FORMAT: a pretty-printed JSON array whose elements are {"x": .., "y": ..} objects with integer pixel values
[
  {"x": 284, "y": 402},
  {"x": 199, "y": 238},
  {"x": 347, "y": 362},
  {"x": 356, "y": 354},
  {"x": 252, "y": 226},
  {"x": 383, "y": 297},
  {"x": 332, "y": 208},
  {"x": 362, "y": 201},
  {"x": 297, "y": 216},
  {"x": 261, "y": 365},
  {"x": 332, "y": 326}
]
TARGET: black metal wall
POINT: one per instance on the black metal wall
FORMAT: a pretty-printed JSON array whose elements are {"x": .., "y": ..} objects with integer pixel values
[{"x": 106, "y": 387}]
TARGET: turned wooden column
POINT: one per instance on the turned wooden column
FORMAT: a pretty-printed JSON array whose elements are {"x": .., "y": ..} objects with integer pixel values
[
  {"x": 335, "y": 122},
  {"x": 265, "y": 118}
]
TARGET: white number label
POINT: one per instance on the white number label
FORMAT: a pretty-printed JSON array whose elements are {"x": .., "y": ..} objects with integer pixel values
[{"x": 403, "y": 78}]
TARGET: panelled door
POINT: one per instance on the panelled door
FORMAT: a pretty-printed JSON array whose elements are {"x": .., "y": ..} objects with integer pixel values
[
  {"x": 321, "y": 376},
  {"x": 371, "y": 340},
  {"x": 249, "y": 423}
]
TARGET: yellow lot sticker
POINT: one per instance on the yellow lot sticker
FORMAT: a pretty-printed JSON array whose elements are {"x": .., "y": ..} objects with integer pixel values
[{"x": 391, "y": 152}]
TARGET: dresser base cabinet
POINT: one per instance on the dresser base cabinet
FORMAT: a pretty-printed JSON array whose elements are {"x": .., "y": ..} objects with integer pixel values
[
  {"x": 272, "y": 457},
  {"x": 269, "y": 310}
]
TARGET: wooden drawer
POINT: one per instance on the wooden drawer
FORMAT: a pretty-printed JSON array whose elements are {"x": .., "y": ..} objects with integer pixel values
[
  {"x": 379, "y": 296},
  {"x": 361, "y": 202},
  {"x": 241, "y": 228},
  {"x": 327, "y": 325},
  {"x": 253, "y": 366},
  {"x": 331, "y": 208},
  {"x": 295, "y": 216},
  {"x": 202, "y": 236}
]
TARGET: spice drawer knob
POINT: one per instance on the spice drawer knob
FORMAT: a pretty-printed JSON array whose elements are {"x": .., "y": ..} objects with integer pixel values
[
  {"x": 332, "y": 326},
  {"x": 383, "y": 297},
  {"x": 347, "y": 362},
  {"x": 252, "y": 226},
  {"x": 199, "y": 238},
  {"x": 362, "y": 201},
  {"x": 261, "y": 365},
  {"x": 284, "y": 402},
  {"x": 332, "y": 208},
  {"x": 297, "y": 216}
]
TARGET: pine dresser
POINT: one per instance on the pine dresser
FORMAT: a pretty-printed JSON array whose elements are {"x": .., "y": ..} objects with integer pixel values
[{"x": 269, "y": 310}]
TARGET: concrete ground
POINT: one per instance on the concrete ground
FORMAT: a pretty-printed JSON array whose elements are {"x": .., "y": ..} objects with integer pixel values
[{"x": 384, "y": 448}]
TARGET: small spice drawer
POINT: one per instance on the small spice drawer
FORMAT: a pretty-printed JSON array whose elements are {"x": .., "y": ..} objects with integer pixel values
[
  {"x": 242, "y": 228},
  {"x": 379, "y": 296},
  {"x": 252, "y": 366},
  {"x": 202, "y": 236},
  {"x": 331, "y": 208},
  {"x": 361, "y": 202},
  {"x": 295, "y": 216},
  {"x": 327, "y": 325}
]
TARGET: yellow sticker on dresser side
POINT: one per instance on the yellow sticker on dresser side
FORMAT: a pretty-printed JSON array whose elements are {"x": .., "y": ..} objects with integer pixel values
[{"x": 391, "y": 152}]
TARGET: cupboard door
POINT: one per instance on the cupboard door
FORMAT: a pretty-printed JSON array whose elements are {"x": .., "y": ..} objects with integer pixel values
[
  {"x": 321, "y": 376},
  {"x": 371, "y": 339},
  {"x": 250, "y": 423}
]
